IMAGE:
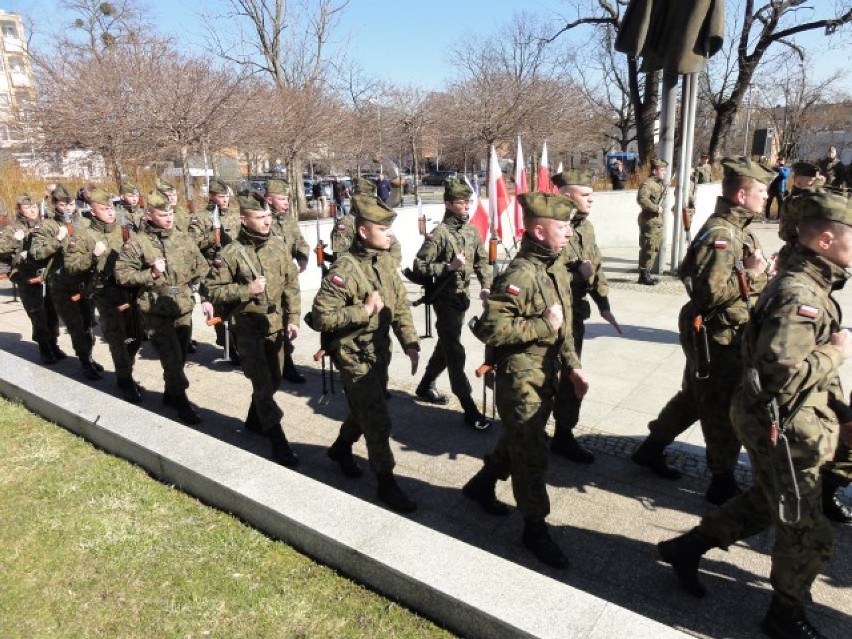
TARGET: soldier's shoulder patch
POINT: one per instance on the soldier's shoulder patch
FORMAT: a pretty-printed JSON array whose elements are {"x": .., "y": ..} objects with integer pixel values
[
  {"x": 217, "y": 261},
  {"x": 511, "y": 289},
  {"x": 720, "y": 244},
  {"x": 337, "y": 280},
  {"x": 429, "y": 236},
  {"x": 341, "y": 227},
  {"x": 807, "y": 311}
]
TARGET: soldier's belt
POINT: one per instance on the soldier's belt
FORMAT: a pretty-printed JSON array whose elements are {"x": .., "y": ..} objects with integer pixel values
[
  {"x": 264, "y": 309},
  {"x": 171, "y": 291}
]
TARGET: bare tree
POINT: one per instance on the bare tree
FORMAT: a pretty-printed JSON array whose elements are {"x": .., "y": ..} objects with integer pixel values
[{"x": 104, "y": 25}]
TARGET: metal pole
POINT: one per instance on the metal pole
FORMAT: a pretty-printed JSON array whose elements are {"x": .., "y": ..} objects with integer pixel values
[
  {"x": 681, "y": 189},
  {"x": 747, "y": 122},
  {"x": 665, "y": 150},
  {"x": 690, "y": 140}
]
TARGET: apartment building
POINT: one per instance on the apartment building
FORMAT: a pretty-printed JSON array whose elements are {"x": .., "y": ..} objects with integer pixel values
[{"x": 17, "y": 93}]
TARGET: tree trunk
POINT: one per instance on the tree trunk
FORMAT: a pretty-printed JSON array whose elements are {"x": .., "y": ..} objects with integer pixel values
[{"x": 187, "y": 178}]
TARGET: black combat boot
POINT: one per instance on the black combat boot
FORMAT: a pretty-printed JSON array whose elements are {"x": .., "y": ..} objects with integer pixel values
[
  {"x": 58, "y": 353},
  {"x": 291, "y": 373},
  {"x": 834, "y": 509},
  {"x": 46, "y": 354},
  {"x": 566, "y": 445},
  {"x": 684, "y": 554},
  {"x": 537, "y": 538},
  {"x": 185, "y": 410},
  {"x": 341, "y": 452},
  {"x": 192, "y": 347},
  {"x": 481, "y": 489},
  {"x": 645, "y": 278},
  {"x": 472, "y": 416},
  {"x": 429, "y": 394},
  {"x": 129, "y": 390},
  {"x": 722, "y": 488},
  {"x": 90, "y": 368},
  {"x": 281, "y": 451},
  {"x": 252, "y": 423},
  {"x": 788, "y": 621},
  {"x": 650, "y": 455},
  {"x": 390, "y": 493},
  {"x": 234, "y": 355}
]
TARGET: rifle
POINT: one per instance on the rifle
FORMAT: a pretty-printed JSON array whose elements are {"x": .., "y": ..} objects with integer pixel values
[
  {"x": 742, "y": 282},
  {"x": 700, "y": 342},
  {"x": 217, "y": 227},
  {"x": 686, "y": 218},
  {"x": 129, "y": 306},
  {"x": 319, "y": 251},
  {"x": 421, "y": 217},
  {"x": 324, "y": 352}
]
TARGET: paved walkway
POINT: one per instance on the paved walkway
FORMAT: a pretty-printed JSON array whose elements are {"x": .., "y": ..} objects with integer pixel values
[{"x": 608, "y": 516}]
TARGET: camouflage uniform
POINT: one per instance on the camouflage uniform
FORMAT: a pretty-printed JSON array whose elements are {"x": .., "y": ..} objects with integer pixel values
[
  {"x": 165, "y": 301},
  {"x": 650, "y": 198},
  {"x": 703, "y": 173},
  {"x": 28, "y": 275},
  {"x": 453, "y": 236},
  {"x": 834, "y": 173},
  {"x": 788, "y": 227},
  {"x": 344, "y": 232}
]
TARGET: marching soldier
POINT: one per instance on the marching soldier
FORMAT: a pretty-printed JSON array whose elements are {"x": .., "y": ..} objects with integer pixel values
[
  {"x": 94, "y": 254},
  {"x": 164, "y": 264},
  {"x": 585, "y": 263},
  {"x": 28, "y": 274},
  {"x": 360, "y": 300},
  {"x": 129, "y": 201},
  {"x": 786, "y": 411},
  {"x": 287, "y": 228},
  {"x": 218, "y": 206},
  {"x": 256, "y": 273},
  {"x": 344, "y": 228},
  {"x": 723, "y": 251},
  {"x": 453, "y": 252},
  {"x": 650, "y": 198},
  {"x": 527, "y": 322},
  {"x": 704, "y": 171},
  {"x": 51, "y": 242}
]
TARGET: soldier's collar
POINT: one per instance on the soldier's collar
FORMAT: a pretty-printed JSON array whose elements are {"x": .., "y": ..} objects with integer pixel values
[
  {"x": 156, "y": 230},
  {"x": 102, "y": 226},
  {"x": 450, "y": 219},
  {"x": 257, "y": 239},
  {"x": 732, "y": 212},
  {"x": 531, "y": 248}
]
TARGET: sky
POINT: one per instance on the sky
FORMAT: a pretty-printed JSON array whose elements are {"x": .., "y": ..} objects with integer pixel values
[{"x": 404, "y": 42}]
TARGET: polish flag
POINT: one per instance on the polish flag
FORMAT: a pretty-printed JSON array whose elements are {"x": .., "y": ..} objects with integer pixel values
[
  {"x": 479, "y": 219},
  {"x": 520, "y": 187},
  {"x": 498, "y": 194},
  {"x": 544, "y": 184}
]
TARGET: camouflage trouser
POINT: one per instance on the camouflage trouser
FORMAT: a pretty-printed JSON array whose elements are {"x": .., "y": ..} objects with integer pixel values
[
  {"x": 708, "y": 397},
  {"x": 78, "y": 316},
  {"x": 170, "y": 338},
  {"x": 449, "y": 353},
  {"x": 524, "y": 402},
  {"x": 41, "y": 311},
  {"x": 566, "y": 409},
  {"x": 841, "y": 466},
  {"x": 368, "y": 414},
  {"x": 263, "y": 357},
  {"x": 801, "y": 547},
  {"x": 224, "y": 311},
  {"x": 650, "y": 237},
  {"x": 123, "y": 344}
]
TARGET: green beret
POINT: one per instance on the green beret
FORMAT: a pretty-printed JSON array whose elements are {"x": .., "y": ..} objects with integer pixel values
[
  {"x": 99, "y": 196},
  {"x": 372, "y": 209},
  {"x": 658, "y": 164},
  {"x": 363, "y": 186},
  {"x": 805, "y": 169},
  {"x": 254, "y": 201},
  {"x": 455, "y": 189},
  {"x": 217, "y": 186},
  {"x": 277, "y": 187},
  {"x": 25, "y": 198},
  {"x": 825, "y": 205},
  {"x": 164, "y": 187},
  {"x": 60, "y": 194},
  {"x": 157, "y": 200},
  {"x": 575, "y": 177},
  {"x": 553, "y": 206},
  {"x": 746, "y": 167},
  {"x": 129, "y": 187}
]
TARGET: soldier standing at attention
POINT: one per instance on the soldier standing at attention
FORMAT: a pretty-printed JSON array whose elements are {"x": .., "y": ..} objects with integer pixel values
[
  {"x": 182, "y": 214},
  {"x": 28, "y": 275},
  {"x": 527, "y": 322},
  {"x": 650, "y": 198},
  {"x": 360, "y": 300},
  {"x": 585, "y": 263},
  {"x": 164, "y": 264},
  {"x": 703, "y": 172},
  {"x": 722, "y": 248},
  {"x": 69, "y": 291},
  {"x": 256, "y": 273},
  {"x": 287, "y": 228},
  {"x": 792, "y": 350},
  {"x": 453, "y": 252},
  {"x": 832, "y": 169},
  {"x": 129, "y": 201}
]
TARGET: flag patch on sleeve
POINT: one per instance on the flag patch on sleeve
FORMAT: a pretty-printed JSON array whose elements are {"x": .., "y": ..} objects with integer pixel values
[
  {"x": 720, "y": 244},
  {"x": 512, "y": 289},
  {"x": 808, "y": 311},
  {"x": 341, "y": 227},
  {"x": 337, "y": 280}
]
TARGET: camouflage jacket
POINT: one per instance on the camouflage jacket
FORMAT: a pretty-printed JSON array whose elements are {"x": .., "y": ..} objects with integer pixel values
[
  {"x": 788, "y": 340},
  {"x": 710, "y": 264},
  {"x": 512, "y": 323},
  {"x": 45, "y": 246},
  {"x": 788, "y": 227},
  {"x": 132, "y": 214},
  {"x": 80, "y": 260},
  {"x": 583, "y": 246},
  {"x": 451, "y": 237},
  {"x": 239, "y": 263},
  {"x": 650, "y": 197},
  {"x": 286, "y": 227},
  {"x": 344, "y": 232},
  {"x": 834, "y": 173},
  {"x": 170, "y": 294},
  {"x": 703, "y": 174},
  {"x": 17, "y": 254},
  {"x": 359, "y": 342}
]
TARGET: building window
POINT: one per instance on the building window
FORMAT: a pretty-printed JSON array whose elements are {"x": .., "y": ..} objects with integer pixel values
[
  {"x": 4, "y": 133},
  {"x": 9, "y": 30},
  {"x": 5, "y": 102}
]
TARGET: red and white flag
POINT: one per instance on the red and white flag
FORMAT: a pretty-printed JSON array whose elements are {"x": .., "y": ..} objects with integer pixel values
[
  {"x": 479, "y": 218},
  {"x": 498, "y": 194},
  {"x": 544, "y": 184},
  {"x": 520, "y": 187}
]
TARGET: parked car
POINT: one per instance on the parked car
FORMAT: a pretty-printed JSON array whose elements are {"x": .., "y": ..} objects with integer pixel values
[{"x": 437, "y": 178}]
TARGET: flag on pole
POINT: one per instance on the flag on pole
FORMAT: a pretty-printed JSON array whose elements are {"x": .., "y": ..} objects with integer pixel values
[
  {"x": 520, "y": 187},
  {"x": 498, "y": 194},
  {"x": 544, "y": 184},
  {"x": 479, "y": 219},
  {"x": 559, "y": 168}
]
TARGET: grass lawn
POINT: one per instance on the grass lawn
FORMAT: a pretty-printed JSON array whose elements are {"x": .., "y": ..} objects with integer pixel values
[{"x": 93, "y": 547}]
